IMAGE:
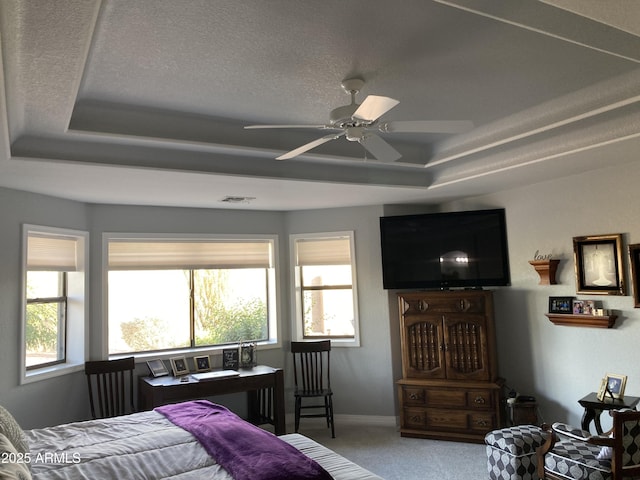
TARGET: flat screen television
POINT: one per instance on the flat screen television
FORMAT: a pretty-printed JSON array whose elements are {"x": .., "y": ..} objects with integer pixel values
[{"x": 445, "y": 250}]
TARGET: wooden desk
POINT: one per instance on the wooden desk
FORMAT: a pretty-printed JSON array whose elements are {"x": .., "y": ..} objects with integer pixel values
[
  {"x": 264, "y": 386},
  {"x": 594, "y": 407}
]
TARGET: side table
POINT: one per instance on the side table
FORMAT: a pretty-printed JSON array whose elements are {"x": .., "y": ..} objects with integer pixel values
[{"x": 594, "y": 407}]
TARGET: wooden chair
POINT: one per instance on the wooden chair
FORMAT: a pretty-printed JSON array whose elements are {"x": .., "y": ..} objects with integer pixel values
[
  {"x": 312, "y": 377},
  {"x": 614, "y": 455},
  {"x": 110, "y": 386}
]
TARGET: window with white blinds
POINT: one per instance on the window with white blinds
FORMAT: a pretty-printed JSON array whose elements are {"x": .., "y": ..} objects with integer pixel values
[
  {"x": 54, "y": 313},
  {"x": 325, "y": 287},
  {"x": 170, "y": 293}
]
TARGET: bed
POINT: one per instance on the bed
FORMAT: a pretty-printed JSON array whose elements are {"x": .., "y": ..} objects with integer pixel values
[{"x": 150, "y": 445}]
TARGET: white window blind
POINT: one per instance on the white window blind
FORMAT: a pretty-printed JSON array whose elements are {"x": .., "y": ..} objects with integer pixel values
[
  {"x": 149, "y": 255},
  {"x": 52, "y": 253},
  {"x": 323, "y": 251}
]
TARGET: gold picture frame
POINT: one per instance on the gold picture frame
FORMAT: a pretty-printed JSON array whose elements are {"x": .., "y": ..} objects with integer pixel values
[
  {"x": 612, "y": 386},
  {"x": 598, "y": 264},
  {"x": 202, "y": 364}
]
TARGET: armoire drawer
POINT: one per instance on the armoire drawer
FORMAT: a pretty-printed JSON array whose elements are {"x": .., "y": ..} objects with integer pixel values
[
  {"x": 480, "y": 399},
  {"x": 440, "y": 419}
]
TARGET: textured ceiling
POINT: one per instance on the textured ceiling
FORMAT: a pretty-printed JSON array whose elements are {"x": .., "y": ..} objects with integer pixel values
[{"x": 145, "y": 102}]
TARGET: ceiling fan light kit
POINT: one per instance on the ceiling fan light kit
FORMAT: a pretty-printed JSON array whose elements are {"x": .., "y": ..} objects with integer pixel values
[{"x": 359, "y": 121}]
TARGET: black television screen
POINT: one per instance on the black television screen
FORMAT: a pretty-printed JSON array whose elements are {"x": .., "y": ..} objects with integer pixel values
[{"x": 445, "y": 250}]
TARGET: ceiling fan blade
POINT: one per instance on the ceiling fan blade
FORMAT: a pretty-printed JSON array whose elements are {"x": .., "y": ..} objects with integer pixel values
[
  {"x": 427, "y": 126},
  {"x": 374, "y": 107},
  {"x": 253, "y": 127},
  {"x": 309, "y": 146},
  {"x": 380, "y": 149}
]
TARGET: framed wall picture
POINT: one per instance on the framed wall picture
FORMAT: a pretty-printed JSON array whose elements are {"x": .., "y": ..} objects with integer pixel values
[
  {"x": 157, "y": 368},
  {"x": 202, "y": 364},
  {"x": 230, "y": 358},
  {"x": 561, "y": 305},
  {"x": 179, "y": 366},
  {"x": 598, "y": 260},
  {"x": 634, "y": 260}
]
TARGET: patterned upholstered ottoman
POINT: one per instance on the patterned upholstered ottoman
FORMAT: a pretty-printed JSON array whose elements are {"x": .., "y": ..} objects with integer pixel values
[{"x": 511, "y": 452}]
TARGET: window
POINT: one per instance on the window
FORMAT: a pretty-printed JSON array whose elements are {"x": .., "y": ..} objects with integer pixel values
[
  {"x": 325, "y": 284},
  {"x": 45, "y": 330},
  {"x": 171, "y": 294},
  {"x": 54, "y": 291}
]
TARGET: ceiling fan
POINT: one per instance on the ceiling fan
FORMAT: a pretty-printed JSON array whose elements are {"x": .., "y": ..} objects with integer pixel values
[{"x": 359, "y": 122}]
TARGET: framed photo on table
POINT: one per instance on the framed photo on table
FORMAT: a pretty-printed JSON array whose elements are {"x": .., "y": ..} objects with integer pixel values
[
  {"x": 612, "y": 386},
  {"x": 179, "y": 366},
  {"x": 230, "y": 359},
  {"x": 598, "y": 260},
  {"x": 157, "y": 368},
  {"x": 202, "y": 364}
]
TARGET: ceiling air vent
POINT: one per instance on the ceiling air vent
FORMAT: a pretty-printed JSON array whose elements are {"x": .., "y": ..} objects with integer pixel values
[{"x": 237, "y": 199}]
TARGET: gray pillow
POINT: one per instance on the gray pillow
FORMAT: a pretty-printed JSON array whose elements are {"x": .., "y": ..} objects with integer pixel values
[{"x": 10, "y": 429}]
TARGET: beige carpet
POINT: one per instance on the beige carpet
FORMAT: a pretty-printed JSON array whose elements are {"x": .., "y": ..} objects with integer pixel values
[{"x": 384, "y": 452}]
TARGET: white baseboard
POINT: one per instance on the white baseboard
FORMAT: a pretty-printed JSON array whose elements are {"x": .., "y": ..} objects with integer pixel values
[{"x": 370, "y": 420}]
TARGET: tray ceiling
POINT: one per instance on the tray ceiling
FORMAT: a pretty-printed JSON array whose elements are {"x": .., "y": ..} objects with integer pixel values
[{"x": 145, "y": 102}]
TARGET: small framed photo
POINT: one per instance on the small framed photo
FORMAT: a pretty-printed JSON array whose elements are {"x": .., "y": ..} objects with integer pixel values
[
  {"x": 157, "y": 368},
  {"x": 634, "y": 260},
  {"x": 230, "y": 359},
  {"x": 202, "y": 364},
  {"x": 598, "y": 260},
  {"x": 589, "y": 307},
  {"x": 179, "y": 366},
  {"x": 248, "y": 355},
  {"x": 560, "y": 304},
  {"x": 613, "y": 386},
  {"x": 578, "y": 307}
]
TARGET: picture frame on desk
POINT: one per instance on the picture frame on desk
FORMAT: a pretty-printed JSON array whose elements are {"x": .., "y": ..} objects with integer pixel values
[
  {"x": 230, "y": 359},
  {"x": 202, "y": 364},
  {"x": 179, "y": 366},
  {"x": 598, "y": 263},
  {"x": 248, "y": 355},
  {"x": 157, "y": 368}
]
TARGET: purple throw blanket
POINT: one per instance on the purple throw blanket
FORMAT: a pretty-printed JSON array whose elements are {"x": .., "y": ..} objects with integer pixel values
[{"x": 244, "y": 450}]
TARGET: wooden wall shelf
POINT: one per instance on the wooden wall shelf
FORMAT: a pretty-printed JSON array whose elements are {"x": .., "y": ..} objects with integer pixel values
[
  {"x": 546, "y": 269},
  {"x": 604, "y": 321}
]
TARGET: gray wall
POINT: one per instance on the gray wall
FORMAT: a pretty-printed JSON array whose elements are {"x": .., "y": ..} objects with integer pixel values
[
  {"x": 49, "y": 401},
  {"x": 557, "y": 364},
  {"x": 561, "y": 364}
]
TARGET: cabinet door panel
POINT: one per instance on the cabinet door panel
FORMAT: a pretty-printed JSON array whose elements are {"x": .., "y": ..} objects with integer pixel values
[
  {"x": 424, "y": 351},
  {"x": 467, "y": 356}
]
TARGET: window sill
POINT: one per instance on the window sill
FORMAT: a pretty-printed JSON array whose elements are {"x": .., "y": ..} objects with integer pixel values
[
  {"x": 36, "y": 375},
  {"x": 188, "y": 352}
]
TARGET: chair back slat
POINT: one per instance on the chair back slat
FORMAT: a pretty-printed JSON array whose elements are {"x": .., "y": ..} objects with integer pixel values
[{"x": 113, "y": 381}]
